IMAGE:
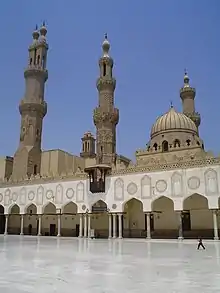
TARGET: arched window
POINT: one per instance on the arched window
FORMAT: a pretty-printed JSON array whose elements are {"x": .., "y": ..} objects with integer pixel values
[
  {"x": 176, "y": 143},
  {"x": 165, "y": 146},
  {"x": 188, "y": 142},
  {"x": 198, "y": 143},
  {"x": 155, "y": 146},
  {"x": 31, "y": 61},
  {"x": 104, "y": 69},
  {"x": 38, "y": 59},
  {"x": 35, "y": 169}
]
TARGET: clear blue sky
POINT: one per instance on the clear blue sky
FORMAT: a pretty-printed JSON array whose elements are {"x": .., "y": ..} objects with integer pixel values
[{"x": 151, "y": 43}]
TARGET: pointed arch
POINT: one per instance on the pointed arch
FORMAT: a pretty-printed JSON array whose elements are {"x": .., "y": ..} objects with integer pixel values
[
  {"x": 2, "y": 210},
  {"x": 99, "y": 206},
  {"x": 31, "y": 208},
  {"x": 132, "y": 202},
  {"x": 49, "y": 208},
  {"x": 195, "y": 201},
  {"x": 69, "y": 207},
  {"x": 14, "y": 209},
  {"x": 162, "y": 203}
]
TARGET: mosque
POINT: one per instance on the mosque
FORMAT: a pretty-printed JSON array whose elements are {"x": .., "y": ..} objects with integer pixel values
[{"x": 170, "y": 191}]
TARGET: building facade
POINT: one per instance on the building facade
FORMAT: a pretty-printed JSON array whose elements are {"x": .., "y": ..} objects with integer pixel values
[{"x": 171, "y": 191}]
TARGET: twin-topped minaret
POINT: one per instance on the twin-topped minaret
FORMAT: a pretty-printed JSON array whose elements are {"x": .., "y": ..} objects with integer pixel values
[
  {"x": 33, "y": 108},
  {"x": 106, "y": 116},
  {"x": 188, "y": 94}
]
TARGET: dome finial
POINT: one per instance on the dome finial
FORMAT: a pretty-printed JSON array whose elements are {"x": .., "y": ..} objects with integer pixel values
[
  {"x": 105, "y": 46},
  {"x": 171, "y": 104}
]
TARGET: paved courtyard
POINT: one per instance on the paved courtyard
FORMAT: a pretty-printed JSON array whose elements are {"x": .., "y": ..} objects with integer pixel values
[{"x": 31, "y": 264}]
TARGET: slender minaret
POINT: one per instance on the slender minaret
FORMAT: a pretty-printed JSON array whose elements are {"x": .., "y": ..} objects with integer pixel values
[
  {"x": 188, "y": 94},
  {"x": 106, "y": 116},
  {"x": 33, "y": 108}
]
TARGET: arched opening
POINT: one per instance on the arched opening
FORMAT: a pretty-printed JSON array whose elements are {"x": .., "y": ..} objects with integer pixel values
[
  {"x": 164, "y": 217},
  {"x": 134, "y": 219},
  {"x": 38, "y": 59},
  {"x": 70, "y": 220},
  {"x": 199, "y": 217},
  {"x": 49, "y": 220},
  {"x": 14, "y": 220},
  {"x": 165, "y": 146},
  {"x": 35, "y": 169},
  {"x": 31, "y": 220},
  {"x": 176, "y": 143},
  {"x": 2, "y": 219},
  {"x": 99, "y": 219},
  {"x": 155, "y": 146},
  {"x": 188, "y": 142}
]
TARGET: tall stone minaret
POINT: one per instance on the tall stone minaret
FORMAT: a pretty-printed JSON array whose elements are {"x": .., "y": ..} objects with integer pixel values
[
  {"x": 106, "y": 116},
  {"x": 188, "y": 94},
  {"x": 33, "y": 108}
]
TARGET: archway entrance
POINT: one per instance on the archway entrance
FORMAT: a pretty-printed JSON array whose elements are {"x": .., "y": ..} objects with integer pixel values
[
  {"x": 201, "y": 219},
  {"x": 14, "y": 220},
  {"x": 134, "y": 219},
  {"x": 31, "y": 220},
  {"x": 99, "y": 219},
  {"x": 2, "y": 220},
  {"x": 70, "y": 220},
  {"x": 165, "y": 218},
  {"x": 49, "y": 220}
]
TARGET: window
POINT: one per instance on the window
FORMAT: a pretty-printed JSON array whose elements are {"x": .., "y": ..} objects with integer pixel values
[
  {"x": 188, "y": 142},
  {"x": 104, "y": 69},
  {"x": 165, "y": 146},
  {"x": 155, "y": 146},
  {"x": 35, "y": 55},
  {"x": 176, "y": 143},
  {"x": 35, "y": 169},
  {"x": 38, "y": 59},
  {"x": 101, "y": 149},
  {"x": 198, "y": 143},
  {"x": 31, "y": 61}
]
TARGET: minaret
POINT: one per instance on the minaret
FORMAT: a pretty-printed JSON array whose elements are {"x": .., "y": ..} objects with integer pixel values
[
  {"x": 187, "y": 94},
  {"x": 106, "y": 116},
  {"x": 88, "y": 145},
  {"x": 33, "y": 108}
]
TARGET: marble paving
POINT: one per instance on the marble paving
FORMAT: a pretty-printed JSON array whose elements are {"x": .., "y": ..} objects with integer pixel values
[{"x": 46, "y": 265}]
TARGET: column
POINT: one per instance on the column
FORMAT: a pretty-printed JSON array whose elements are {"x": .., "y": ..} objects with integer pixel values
[
  {"x": 80, "y": 226},
  {"x": 85, "y": 225},
  {"x": 120, "y": 226},
  {"x": 180, "y": 225},
  {"x": 58, "y": 225},
  {"x": 6, "y": 224},
  {"x": 89, "y": 225},
  {"x": 109, "y": 226},
  {"x": 114, "y": 225},
  {"x": 215, "y": 224},
  {"x": 22, "y": 225},
  {"x": 148, "y": 225},
  {"x": 39, "y": 225}
]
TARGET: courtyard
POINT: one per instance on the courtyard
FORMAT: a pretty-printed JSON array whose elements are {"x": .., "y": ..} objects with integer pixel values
[{"x": 49, "y": 264}]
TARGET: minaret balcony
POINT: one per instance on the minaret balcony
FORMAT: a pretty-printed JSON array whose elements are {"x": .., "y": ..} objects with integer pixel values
[
  {"x": 33, "y": 70},
  {"x": 100, "y": 116},
  {"x": 106, "y": 83},
  {"x": 27, "y": 106},
  {"x": 185, "y": 92}
]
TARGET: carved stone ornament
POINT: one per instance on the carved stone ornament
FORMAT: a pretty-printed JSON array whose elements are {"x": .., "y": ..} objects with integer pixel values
[
  {"x": 114, "y": 206},
  {"x": 70, "y": 193},
  {"x": 132, "y": 188},
  {"x": 161, "y": 185},
  {"x": 83, "y": 207},
  {"x": 1, "y": 197},
  {"x": 14, "y": 196},
  {"x": 49, "y": 194},
  {"x": 193, "y": 182},
  {"x": 31, "y": 195}
]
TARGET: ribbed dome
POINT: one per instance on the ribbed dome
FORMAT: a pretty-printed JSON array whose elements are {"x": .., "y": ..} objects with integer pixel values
[{"x": 173, "y": 120}]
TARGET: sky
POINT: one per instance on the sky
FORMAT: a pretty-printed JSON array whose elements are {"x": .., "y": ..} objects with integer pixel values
[{"x": 152, "y": 42}]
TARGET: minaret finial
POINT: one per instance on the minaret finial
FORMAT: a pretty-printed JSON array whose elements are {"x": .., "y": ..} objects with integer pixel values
[
  {"x": 105, "y": 46},
  {"x": 171, "y": 104},
  {"x": 186, "y": 78},
  {"x": 35, "y": 34}
]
